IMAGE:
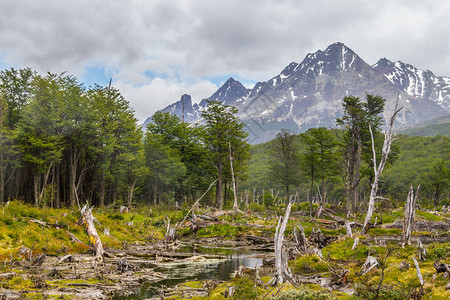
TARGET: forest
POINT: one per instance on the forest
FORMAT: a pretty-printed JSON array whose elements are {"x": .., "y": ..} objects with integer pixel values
[{"x": 66, "y": 148}]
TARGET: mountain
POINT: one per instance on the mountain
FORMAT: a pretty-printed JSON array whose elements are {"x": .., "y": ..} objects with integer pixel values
[
  {"x": 421, "y": 84},
  {"x": 309, "y": 94},
  {"x": 438, "y": 126}
]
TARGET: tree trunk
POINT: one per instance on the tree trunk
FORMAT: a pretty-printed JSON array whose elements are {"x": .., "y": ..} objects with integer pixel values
[
  {"x": 36, "y": 185},
  {"x": 219, "y": 190},
  {"x": 2, "y": 178},
  {"x": 130, "y": 192},
  {"x": 102, "y": 188},
  {"x": 410, "y": 211},
  {"x": 281, "y": 255},
  {"x": 389, "y": 137},
  {"x": 88, "y": 222},
  {"x": 73, "y": 179},
  {"x": 235, "y": 203}
]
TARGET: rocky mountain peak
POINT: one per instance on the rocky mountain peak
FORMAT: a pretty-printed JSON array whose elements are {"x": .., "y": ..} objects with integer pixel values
[{"x": 229, "y": 92}]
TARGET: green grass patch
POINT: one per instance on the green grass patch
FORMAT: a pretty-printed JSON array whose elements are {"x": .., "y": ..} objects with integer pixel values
[{"x": 308, "y": 264}]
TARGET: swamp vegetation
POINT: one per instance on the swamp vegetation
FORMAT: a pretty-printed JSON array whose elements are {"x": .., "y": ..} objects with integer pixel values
[{"x": 94, "y": 207}]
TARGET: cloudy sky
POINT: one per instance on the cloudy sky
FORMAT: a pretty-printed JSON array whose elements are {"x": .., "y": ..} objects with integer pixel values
[{"x": 157, "y": 50}]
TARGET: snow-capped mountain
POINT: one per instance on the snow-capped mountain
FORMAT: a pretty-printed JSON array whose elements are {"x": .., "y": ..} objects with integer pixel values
[
  {"x": 309, "y": 94},
  {"x": 416, "y": 82}
]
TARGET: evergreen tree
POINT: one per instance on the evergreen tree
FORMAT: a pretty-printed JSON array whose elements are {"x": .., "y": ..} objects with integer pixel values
[
  {"x": 285, "y": 166},
  {"x": 356, "y": 140},
  {"x": 221, "y": 131}
]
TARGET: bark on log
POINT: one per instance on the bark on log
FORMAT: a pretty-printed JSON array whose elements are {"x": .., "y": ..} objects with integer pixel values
[{"x": 94, "y": 239}]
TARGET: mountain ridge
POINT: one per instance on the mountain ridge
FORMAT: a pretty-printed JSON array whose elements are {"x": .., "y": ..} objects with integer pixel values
[{"x": 309, "y": 94}]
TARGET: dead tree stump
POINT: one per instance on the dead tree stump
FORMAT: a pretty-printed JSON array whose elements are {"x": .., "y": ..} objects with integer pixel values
[{"x": 87, "y": 220}]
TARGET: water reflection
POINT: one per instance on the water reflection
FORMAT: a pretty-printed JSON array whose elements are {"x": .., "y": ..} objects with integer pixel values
[{"x": 179, "y": 272}]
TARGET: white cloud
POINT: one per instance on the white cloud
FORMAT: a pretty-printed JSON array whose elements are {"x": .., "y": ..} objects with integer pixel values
[
  {"x": 146, "y": 99},
  {"x": 181, "y": 44}
]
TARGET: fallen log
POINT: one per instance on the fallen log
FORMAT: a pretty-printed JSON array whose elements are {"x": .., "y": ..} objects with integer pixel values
[
  {"x": 67, "y": 257},
  {"x": 442, "y": 268},
  {"x": 258, "y": 239},
  {"x": 208, "y": 218}
]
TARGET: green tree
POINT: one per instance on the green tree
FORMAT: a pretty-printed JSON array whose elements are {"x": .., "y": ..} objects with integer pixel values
[
  {"x": 319, "y": 158},
  {"x": 285, "y": 165},
  {"x": 437, "y": 181},
  {"x": 356, "y": 140},
  {"x": 15, "y": 94},
  {"x": 165, "y": 166},
  {"x": 39, "y": 132},
  {"x": 221, "y": 131}
]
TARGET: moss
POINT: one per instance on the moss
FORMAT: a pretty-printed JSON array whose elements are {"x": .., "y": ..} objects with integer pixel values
[
  {"x": 308, "y": 265},
  {"x": 193, "y": 284},
  {"x": 342, "y": 250},
  {"x": 305, "y": 293},
  {"x": 18, "y": 283},
  {"x": 428, "y": 216},
  {"x": 226, "y": 231}
]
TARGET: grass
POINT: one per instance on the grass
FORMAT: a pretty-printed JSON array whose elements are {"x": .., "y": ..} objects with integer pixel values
[{"x": 17, "y": 230}]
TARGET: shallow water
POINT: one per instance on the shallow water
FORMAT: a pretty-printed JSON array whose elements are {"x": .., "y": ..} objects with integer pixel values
[{"x": 179, "y": 272}]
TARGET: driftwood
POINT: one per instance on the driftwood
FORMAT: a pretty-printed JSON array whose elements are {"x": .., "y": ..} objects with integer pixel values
[
  {"x": 355, "y": 243},
  {"x": 88, "y": 221},
  {"x": 281, "y": 255},
  {"x": 44, "y": 224},
  {"x": 208, "y": 218},
  {"x": 7, "y": 276},
  {"x": 74, "y": 239},
  {"x": 302, "y": 243},
  {"x": 258, "y": 239},
  {"x": 419, "y": 274},
  {"x": 370, "y": 263},
  {"x": 170, "y": 233},
  {"x": 422, "y": 251},
  {"x": 348, "y": 229},
  {"x": 410, "y": 211},
  {"x": 198, "y": 200},
  {"x": 389, "y": 136},
  {"x": 442, "y": 268},
  {"x": 67, "y": 257}
]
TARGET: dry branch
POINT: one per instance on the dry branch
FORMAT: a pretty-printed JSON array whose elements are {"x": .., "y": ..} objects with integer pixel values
[{"x": 389, "y": 136}]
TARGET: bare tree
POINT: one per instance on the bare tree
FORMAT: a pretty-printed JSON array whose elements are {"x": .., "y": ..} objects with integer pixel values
[
  {"x": 410, "y": 211},
  {"x": 389, "y": 136}
]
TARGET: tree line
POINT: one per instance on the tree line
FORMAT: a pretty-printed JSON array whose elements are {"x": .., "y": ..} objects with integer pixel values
[
  {"x": 336, "y": 165},
  {"x": 62, "y": 144}
]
